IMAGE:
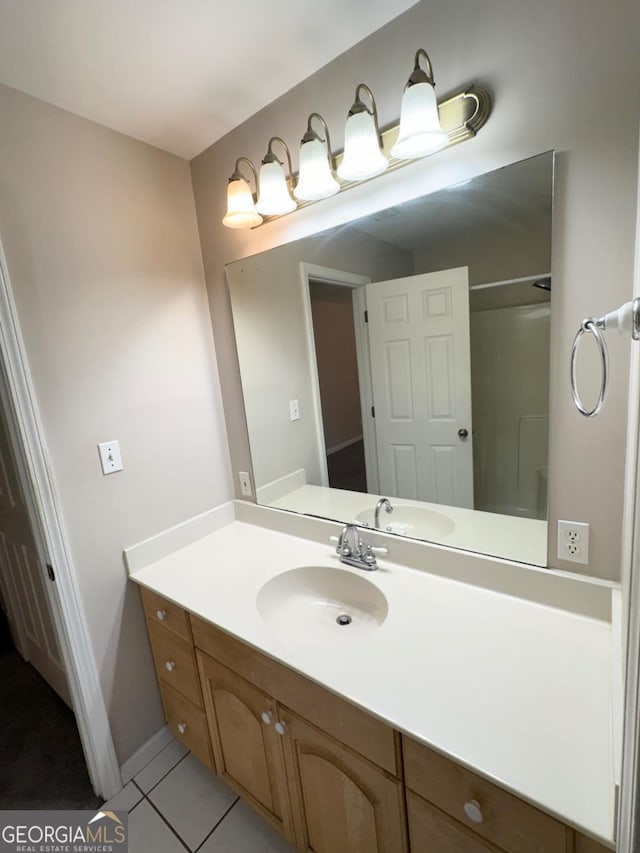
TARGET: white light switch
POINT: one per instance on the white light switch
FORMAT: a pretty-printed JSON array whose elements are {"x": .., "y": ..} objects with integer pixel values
[
  {"x": 294, "y": 410},
  {"x": 110, "y": 457}
]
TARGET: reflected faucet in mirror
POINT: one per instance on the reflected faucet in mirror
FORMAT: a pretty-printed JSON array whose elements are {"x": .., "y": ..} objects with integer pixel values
[{"x": 383, "y": 502}]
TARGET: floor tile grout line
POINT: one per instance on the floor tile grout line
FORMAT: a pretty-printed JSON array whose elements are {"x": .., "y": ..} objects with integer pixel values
[
  {"x": 204, "y": 841},
  {"x": 162, "y": 778},
  {"x": 174, "y": 831}
]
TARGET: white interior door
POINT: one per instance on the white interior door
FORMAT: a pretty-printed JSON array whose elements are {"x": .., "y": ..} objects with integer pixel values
[
  {"x": 22, "y": 578},
  {"x": 421, "y": 374}
]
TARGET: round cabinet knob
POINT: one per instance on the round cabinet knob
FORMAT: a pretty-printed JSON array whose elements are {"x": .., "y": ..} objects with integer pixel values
[
  {"x": 473, "y": 811},
  {"x": 170, "y": 665},
  {"x": 280, "y": 728},
  {"x": 463, "y": 433},
  {"x": 182, "y": 727},
  {"x": 267, "y": 718},
  {"x": 162, "y": 615}
]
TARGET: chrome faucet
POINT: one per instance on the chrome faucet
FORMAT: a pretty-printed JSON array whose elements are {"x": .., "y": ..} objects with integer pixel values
[
  {"x": 353, "y": 551},
  {"x": 383, "y": 502}
]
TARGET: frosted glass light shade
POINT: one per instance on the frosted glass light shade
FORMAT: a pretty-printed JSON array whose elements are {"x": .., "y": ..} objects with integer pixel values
[
  {"x": 274, "y": 197},
  {"x": 420, "y": 131},
  {"x": 241, "y": 211},
  {"x": 315, "y": 180},
  {"x": 362, "y": 155}
]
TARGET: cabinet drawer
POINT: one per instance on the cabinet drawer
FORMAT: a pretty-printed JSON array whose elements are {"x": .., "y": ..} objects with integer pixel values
[
  {"x": 175, "y": 662},
  {"x": 187, "y": 722},
  {"x": 587, "y": 845},
  {"x": 505, "y": 820},
  {"x": 430, "y": 831},
  {"x": 165, "y": 613},
  {"x": 348, "y": 724}
]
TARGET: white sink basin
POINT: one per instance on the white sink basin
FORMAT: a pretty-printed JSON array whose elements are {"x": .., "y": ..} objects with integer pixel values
[
  {"x": 321, "y": 602},
  {"x": 410, "y": 520}
]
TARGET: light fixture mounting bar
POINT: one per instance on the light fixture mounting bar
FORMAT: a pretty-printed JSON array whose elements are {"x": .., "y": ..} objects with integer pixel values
[{"x": 462, "y": 115}]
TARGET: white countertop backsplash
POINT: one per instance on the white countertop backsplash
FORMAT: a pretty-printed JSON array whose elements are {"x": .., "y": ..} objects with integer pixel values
[{"x": 505, "y": 668}]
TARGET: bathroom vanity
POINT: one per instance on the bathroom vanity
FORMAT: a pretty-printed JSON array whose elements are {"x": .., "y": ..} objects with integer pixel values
[{"x": 469, "y": 704}]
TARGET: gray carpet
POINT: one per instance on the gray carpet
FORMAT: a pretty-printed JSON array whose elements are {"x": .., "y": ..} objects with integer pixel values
[{"x": 41, "y": 761}]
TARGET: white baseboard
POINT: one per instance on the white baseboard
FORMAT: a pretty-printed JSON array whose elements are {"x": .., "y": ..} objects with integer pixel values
[
  {"x": 145, "y": 754},
  {"x": 343, "y": 444}
]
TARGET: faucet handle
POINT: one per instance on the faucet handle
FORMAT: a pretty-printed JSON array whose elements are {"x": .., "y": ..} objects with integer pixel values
[{"x": 380, "y": 551}]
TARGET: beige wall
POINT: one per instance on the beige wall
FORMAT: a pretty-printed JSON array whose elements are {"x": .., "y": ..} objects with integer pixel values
[
  {"x": 561, "y": 76},
  {"x": 101, "y": 242}
]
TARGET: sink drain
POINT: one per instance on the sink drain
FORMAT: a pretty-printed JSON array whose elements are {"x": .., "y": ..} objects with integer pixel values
[{"x": 344, "y": 619}]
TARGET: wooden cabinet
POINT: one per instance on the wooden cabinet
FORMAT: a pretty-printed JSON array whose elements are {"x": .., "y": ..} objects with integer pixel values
[
  {"x": 487, "y": 810},
  {"x": 175, "y": 662},
  {"x": 342, "y": 803},
  {"x": 247, "y": 748},
  {"x": 329, "y": 776}
]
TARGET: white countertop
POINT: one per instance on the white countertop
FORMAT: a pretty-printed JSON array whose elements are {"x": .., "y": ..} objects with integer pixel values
[{"x": 518, "y": 691}]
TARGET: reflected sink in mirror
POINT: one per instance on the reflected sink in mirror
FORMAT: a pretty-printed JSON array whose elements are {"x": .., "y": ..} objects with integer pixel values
[
  {"x": 408, "y": 520},
  {"x": 320, "y": 602}
]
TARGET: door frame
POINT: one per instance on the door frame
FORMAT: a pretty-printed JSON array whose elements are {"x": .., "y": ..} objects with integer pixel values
[
  {"x": 43, "y": 506},
  {"x": 356, "y": 282}
]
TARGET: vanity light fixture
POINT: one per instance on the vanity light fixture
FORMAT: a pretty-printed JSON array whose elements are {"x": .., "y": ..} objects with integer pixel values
[
  {"x": 420, "y": 132},
  {"x": 425, "y": 127},
  {"x": 274, "y": 196},
  {"x": 317, "y": 166},
  {"x": 241, "y": 208},
  {"x": 363, "y": 157}
]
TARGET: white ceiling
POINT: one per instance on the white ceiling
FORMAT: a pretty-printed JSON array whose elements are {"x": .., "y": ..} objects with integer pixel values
[{"x": 178, "y": 74}]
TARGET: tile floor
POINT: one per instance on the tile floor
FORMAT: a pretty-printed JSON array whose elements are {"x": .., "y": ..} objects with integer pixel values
[{"x": 177, "y": 804}]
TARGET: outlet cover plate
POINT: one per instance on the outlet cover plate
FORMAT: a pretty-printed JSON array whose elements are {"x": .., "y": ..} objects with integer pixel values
[{"x": 573, "y": 541}]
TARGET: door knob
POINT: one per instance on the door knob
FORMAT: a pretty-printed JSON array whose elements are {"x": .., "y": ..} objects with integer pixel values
[
  {"x": 182, "y": 728},
  {"x": 463, "y": 433},
  {"x": 170, "y": 665},
  {"x": 280, "y": 728},
  {"x": 161, "y": 615},
  {"x": 267, "y": 717}
]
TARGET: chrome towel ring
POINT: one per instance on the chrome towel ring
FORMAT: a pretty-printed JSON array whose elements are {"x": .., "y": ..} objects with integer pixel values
[
  {"x": 626, "y": 320},
  {"x": 593, "y": 326}
]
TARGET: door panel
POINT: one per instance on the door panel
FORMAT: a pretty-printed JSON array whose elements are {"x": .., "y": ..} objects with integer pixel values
[
  {"x": 247, "y": 750},
  {"x": 23, "y": 578},
  {"x": 341, "y": 802},
  {"x": 421, "y": 377}
]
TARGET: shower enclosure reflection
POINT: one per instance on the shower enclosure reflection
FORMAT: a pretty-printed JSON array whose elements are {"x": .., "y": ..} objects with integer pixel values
[{"x": 406, "y": 354}]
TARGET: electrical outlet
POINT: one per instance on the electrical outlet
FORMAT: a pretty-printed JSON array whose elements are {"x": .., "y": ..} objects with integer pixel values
[
  {"x": 245, "y": 483},
  {"x": 573, "y": 541},
  {"x": 294, "y": 410}
]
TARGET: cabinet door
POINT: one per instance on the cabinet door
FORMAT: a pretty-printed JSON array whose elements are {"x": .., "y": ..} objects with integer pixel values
[
  {"x": 247, "y": 750},
  {"x": 341, "y": 802}
]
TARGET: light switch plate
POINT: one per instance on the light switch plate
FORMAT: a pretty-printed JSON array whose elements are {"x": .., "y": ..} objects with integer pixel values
[
  {"x": 294, "y": 410},
  {"x": 110, "y": 457}
]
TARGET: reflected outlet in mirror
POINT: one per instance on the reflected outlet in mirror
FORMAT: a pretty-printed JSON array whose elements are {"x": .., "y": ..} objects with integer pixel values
[{"x": 415, "y": 343}]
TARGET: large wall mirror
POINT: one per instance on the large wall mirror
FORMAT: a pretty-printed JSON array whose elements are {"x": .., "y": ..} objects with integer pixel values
[{"x": 406, "y": 355}]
